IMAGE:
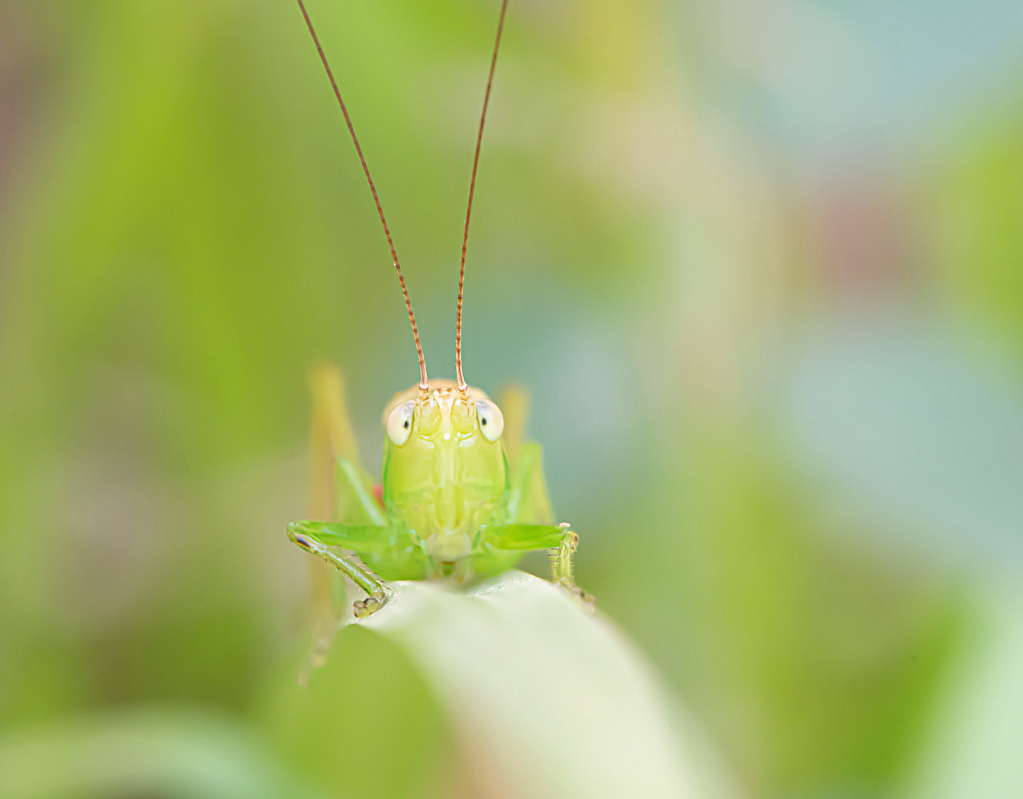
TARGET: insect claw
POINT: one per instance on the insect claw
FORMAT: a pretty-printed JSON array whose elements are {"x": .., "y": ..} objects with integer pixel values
[{"x": 369, "y": 606}]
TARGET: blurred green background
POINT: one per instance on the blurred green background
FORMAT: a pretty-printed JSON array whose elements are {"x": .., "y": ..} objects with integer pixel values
[{"x": 760, "y": 265}]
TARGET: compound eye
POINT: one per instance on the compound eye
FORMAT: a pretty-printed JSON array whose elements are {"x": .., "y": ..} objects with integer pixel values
[
  {"x": 399, "y": 423},
  {"x": 490, "y": 418}
]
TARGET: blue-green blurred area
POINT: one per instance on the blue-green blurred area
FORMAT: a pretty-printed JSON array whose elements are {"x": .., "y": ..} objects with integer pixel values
[{"x": 759, "y": 264}]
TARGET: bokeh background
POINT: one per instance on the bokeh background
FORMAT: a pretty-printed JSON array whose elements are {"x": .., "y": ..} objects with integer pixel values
[{"x": 760, "y": 265}]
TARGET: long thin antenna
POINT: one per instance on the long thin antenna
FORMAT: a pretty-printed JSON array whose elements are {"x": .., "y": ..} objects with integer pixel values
[
  {"x": 462, "y": 386},
  {"x": 424, "y": 386}
]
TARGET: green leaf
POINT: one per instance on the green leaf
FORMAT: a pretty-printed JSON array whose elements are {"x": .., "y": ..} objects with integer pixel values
[{"x": 545, "y": 698}]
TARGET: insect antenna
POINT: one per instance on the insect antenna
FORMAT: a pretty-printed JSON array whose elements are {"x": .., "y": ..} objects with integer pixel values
[
  {"x": 462, "y": 387},
  {"x": 423, "y": 384}
]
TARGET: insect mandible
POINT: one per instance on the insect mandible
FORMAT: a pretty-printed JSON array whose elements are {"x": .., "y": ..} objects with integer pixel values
[{"x": 456, "y": 499}]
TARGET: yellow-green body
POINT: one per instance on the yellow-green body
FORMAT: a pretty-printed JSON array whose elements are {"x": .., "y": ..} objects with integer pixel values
[
  {"x": 453, "y": 503},
  {"x": 447, "y": 481}
]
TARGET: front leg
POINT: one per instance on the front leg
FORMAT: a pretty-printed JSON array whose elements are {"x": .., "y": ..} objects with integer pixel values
[
  {"x": 529, "y": 508},
  {"x": 560, "y": 540},
  {"x": 338, "y": 482},
  {"x": 317, "y": 538}
]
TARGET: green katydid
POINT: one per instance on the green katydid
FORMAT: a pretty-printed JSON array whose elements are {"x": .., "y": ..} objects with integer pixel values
[{"x": 459, "y": 496}]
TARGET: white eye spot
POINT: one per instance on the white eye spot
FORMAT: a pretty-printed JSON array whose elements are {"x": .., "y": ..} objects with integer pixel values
[
  {"x": 490, "y": 418},
  {"x": 399, "y": 423}
]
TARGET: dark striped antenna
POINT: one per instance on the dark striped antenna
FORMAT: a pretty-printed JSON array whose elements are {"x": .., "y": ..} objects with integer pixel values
[
  {"x": 462, "y": 387},
  {"x": 423, "y": 384}
]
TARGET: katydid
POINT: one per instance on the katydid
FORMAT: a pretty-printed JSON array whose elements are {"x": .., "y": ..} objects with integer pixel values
[{"x": 458, "y": 498}]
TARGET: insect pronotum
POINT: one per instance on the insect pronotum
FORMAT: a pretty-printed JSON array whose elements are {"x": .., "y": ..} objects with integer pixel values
[{"x": 458, "y": 497}]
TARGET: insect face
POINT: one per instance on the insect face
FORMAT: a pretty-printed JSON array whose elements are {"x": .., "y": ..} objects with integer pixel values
[{"x": 445, "y": 469}]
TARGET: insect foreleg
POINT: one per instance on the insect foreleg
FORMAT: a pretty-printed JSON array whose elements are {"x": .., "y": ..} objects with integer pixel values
[
  {"x": 318, "y": 537},
  {"x": 529, "y": 510},
  {"x": 561, "y": 541},
  {"x": 561, "y": 558},
  {"x": 331, "y": 440}
]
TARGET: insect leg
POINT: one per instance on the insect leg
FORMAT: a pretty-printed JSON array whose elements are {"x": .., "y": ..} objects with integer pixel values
[
  {"x": 559, "y": 539},
  {"x": 331, "y": 438},
  {"x": 339, "y": 487},
  {"x": 561, "y": 564},
  {"x": 317, "y": 538}
]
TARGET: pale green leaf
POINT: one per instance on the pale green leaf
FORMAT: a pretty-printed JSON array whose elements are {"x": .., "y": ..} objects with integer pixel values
[{"x": 547, "y": 699}]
